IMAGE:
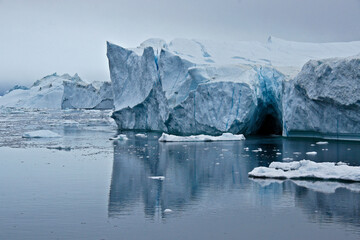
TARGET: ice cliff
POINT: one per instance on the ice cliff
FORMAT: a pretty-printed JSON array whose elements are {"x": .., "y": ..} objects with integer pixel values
[
  {"x": 60, "y": 91},
  {"x": 323, "y": 100},
  {"x": 205, "y": 87},
  {"x": 79, "y": 95}
]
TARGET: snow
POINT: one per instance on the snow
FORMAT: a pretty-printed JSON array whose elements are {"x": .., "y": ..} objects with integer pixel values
[
  {"x": 201, "y": 138},
  {"x": 41, "y": 134},
  {"x": 306, "y": 169}
]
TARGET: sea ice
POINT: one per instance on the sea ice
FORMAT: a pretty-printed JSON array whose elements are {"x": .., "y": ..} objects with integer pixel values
[
  {"x": 41, "y": 134},
  {"x": 201, "y": 138},
  {"x": 306, "y": 169}
]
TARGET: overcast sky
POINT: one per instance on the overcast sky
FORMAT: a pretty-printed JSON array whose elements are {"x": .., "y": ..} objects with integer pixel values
[{"x": 39, "y": 37}]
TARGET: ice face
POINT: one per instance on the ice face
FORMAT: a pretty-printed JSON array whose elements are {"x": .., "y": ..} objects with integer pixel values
[
  {"x": 79, "y": 95},
  {"x": 207, "y": 87},
  {"x": 60, "y": 92},
  {"x": 323, "y": 100}
]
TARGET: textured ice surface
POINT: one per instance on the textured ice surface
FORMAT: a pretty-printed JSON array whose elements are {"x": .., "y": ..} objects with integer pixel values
[
  {"x": 308, "y": 170},
  {"x": 201, "y": 138},
  {"x": 56, "y": 92},
  {"x": 324, "y": 100},
  {"x": 41, "y": 134},
  {"x": 80, "y": 95}
]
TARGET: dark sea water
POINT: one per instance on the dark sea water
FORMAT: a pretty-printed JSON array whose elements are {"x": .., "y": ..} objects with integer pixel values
[{"x": 102, "y": 189}]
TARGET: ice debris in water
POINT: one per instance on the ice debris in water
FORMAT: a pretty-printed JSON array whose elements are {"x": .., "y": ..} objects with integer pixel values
[
  {"x": 161, "y": 178},
  {"x": 322, "y": 143},
  {"x": 141, "y": 135},
  {"x": 120, "y": 137},
  {"x": 306, "y": 169},
  {"x": 168, "y": 210},
  {"x": 311, "y": 153},
  {"x": 201, "y": 138},
  {"x": 41, "y": 134}
]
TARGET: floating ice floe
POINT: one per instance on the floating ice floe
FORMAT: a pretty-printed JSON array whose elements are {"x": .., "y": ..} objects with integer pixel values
[
  {"x": 322, "y": 143},
  {"x": 306, "y": 169},
  {"x": 311, "y": 153},
  {"x": 161, "y": 178},
  {"x": 41, "y": 134},
  {"x": 119, "y": 137},
  {"x": 201, "y": 138},
  {"x": 168, "y": 210},
  {"x": 140, "y": 135}
]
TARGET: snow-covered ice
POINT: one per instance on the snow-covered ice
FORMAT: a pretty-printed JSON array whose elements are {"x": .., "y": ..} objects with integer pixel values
[
  {"x": 191, "y": 87},
  {"x": 201, "y": 138},
  {"x": 161, "y": 178},
  {"x": 41, "y": 134},
  {"x": 306, "y": 169},
  {"x": 60, "y": 92}
]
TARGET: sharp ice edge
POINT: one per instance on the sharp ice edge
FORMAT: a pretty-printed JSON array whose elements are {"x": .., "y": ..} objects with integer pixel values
[
  {"x": 189, "y": 95},
  {"x": 306, "y": 169},
  {"x": 201, "y": 138}
]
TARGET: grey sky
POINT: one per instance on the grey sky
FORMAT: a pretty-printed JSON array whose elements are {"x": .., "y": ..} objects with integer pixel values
[{"x": 39, "y": 37}]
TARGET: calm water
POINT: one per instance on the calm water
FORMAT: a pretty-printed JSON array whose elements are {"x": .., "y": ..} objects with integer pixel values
[{"x": 101, "y": 189}]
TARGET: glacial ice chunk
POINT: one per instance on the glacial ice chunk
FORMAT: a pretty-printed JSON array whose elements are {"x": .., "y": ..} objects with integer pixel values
[
  {"x": 306, "y": 169},
  {"x": 201, "y": 138}
]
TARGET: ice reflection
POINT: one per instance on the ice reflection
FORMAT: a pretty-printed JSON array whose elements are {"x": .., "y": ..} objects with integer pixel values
[{"x": 194, "y": 171}]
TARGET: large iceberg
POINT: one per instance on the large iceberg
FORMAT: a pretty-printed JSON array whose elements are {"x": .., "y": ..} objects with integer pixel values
[
  {"x": 59, "y": 92},
  {"x": 323, "y": 100},
  {"x": 189, "y": 87}
]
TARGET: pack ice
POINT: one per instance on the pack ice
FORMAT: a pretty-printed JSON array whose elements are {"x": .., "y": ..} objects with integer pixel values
[
  {"x": 60, "y": 91},
  {"x": 306, "y": 169},
  {"x": 192, "y": 87}
]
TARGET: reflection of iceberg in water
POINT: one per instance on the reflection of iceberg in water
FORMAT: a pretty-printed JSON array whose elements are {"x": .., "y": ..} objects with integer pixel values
[
  {"x": 197, "y": 172},
  {"x": 190, "y": 170},
  {"x": 322, "y": 201}
]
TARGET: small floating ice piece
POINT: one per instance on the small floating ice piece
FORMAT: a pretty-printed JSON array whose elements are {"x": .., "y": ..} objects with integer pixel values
[
  {"x": 322, "y": 143},
  {"x": 119, "y": 137},
  {"x": 168, "y": 210},
  {"x": 257, "y": 150},
  {"x": 41, "y": 134},
  {"x": 201, "y": 138},
  {"x": 311, "y": 153},
  {"x": 306, "y": 169},
  {"x": 161, "y": 178},
  {"x": 141, "y": 135}
]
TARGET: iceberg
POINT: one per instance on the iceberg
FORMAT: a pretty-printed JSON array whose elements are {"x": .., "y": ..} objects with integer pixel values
[
  {"x": 80, "y": 95},
  {"x": 60, "y": 92},
  {"x": 306, "y": 169},
  {"x": 201, "y": 138},
  {"x": 41, "y": 134},
  {"x": 326, "y": 94},
  {"x": 192, "y": 87}
]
